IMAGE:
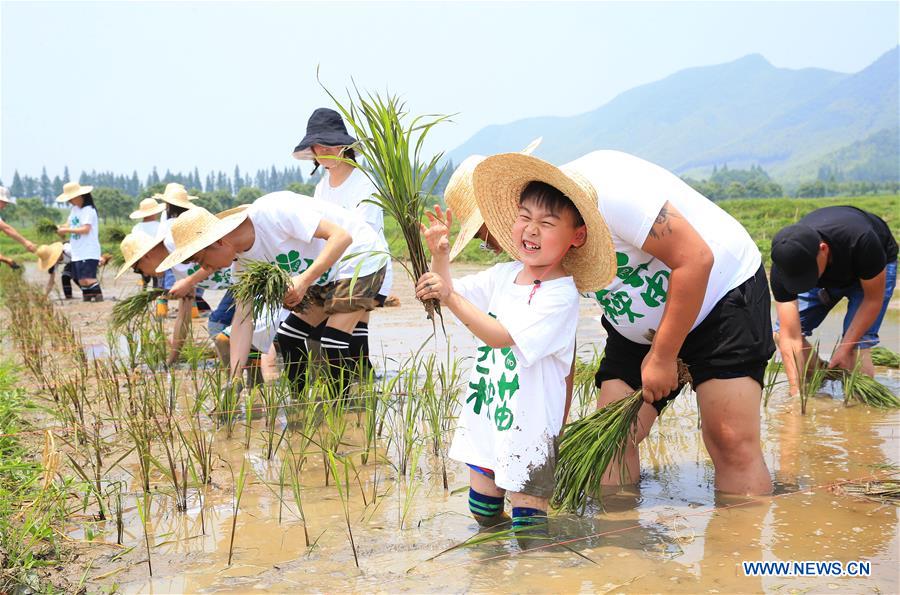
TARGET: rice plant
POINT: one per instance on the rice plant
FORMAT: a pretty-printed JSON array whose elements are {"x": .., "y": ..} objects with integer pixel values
[
  {"x": 236, "y": 504},
  {"x": 343, "y": 488},
  {"x": 262, "y": 286},
  {"x": 770, "y": 380},
  {"x": 862, "y": 388},
  {"x": 133, "y": 307},
  {"x": 390, "y": 148},
  {"x": 882, "y": 356}
]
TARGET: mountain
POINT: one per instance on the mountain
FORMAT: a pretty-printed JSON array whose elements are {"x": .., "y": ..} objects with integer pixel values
[{"x": 742, "y": 113}]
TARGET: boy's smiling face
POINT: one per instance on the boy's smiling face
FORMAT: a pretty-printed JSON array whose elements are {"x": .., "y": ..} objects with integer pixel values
[{"x": 543, "y": 236}]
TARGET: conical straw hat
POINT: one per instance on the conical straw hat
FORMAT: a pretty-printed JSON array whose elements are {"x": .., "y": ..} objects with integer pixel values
[
  {"x": 72, "y": 190},
  {"x": 499, "y": 182},
  {"x": 48, "y": 255},
  {"x": 460, "y": 198},
  {"x": 175, "y": 194},
  {"x": 148, "y": 208},
  {"x": 197, "y": 228},
  {"x": 134, "y": 247}
]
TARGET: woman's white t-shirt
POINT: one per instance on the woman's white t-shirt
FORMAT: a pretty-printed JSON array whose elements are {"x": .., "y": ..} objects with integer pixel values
[
  {"x": 151, "y": 228},
  {"x": 630, "y": 194},
  {"x": 352, "y": 195},
  {"x": 84, "y": 246},
  {"x": 284, "y": 224},
  {"x": 514, "y": 402}
]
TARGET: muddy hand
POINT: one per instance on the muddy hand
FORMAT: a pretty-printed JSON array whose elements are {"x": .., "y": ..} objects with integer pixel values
[{"x": 432, "y": 287}]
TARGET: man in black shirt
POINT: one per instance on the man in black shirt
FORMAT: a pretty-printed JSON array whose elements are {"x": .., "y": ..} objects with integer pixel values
[{"x": 830, "y": 254}]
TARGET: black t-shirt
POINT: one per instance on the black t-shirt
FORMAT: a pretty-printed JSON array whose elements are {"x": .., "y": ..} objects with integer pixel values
[{"x": 861, "y": 246}]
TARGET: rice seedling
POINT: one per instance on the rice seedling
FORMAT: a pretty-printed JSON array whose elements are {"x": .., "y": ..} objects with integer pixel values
[
  {"x": 174, "y": 468},
  {"x": 588, "y": 446},
  {"x": 45, "y": 229},
  {"x": 812, "y": 371},
  {"x": 143, "y": 507},
  {"x": 344, "y": 493},
  {"x": 770, "y": 380},
  {"x": 273, "y": 397},
  {"x": 886, "y": 491},
  {"x": 862, "y": 388},
  {"x": 584, "y": 389},
  {"x": 262, "y": 286},
  {"x": 236, "y": 504},
  {"x": 133, "y": 307},
  {"x": 390, "y": 145},
  {"x": 412, "y": 484},
  {"x": 882, "y": 356}
]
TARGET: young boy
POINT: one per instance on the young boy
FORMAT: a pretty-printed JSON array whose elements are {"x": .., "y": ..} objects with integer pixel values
[
  {"x": 322, "y": 245},
  {"x": 524, "y": 314}
]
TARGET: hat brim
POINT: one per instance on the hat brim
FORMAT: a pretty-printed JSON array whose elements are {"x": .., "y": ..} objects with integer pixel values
[
  {"x": 467, "y": 233},
  {"x": 139, "y": 214},
  {"x": 225, "y": 226},
  {"x": 56, "y": 251},
  {"x": 303, "y": 150},
  {"x": 499, "y": 181},
  {"x": 129, "y": 264},
  {"x": 184, "y": 204},
  {"x": 794, "y": 283},
  {"x": 66, "y": 197}
]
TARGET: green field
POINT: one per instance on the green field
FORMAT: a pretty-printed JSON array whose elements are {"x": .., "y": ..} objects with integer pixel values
[{"x": 762, "y": 217}]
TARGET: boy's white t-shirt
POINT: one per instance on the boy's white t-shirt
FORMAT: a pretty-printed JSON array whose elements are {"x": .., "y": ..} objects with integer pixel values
[
  {"x": 84, "y": 246},
  {"x": 284, "y": 223},
  {"x": 220, "y": 279},
  {"x": 514, "y": 402},
  {"x": 352, "y": 195},
  {"x": 630, "y": 194},
  {"x": 180, "y": 271},
  {"x": 151, "y": 228}
]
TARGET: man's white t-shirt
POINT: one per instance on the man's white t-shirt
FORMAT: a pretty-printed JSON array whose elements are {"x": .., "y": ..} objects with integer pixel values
[
  {"x": 352, "y": 195},
  {"x": 151, "y": 228},
  {"x": 164, "y": 231},
  {"x": 284, "y": 223},
  {"x": 84, "y": 246},
  {"x": 630, "y": 194},
  {"x": 514, "y": 402}
]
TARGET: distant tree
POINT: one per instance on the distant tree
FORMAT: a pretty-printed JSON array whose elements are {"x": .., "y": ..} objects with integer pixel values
[
  {"x": 238, "y": 181},
  {"x": 46, "y": 187},
  {"x": 302, "y": 188},
  {"x": 17, "y": 189},
  {"x": 112, "y": 203},
  {"x": 66, "y": 176},
  {"x": 248, "y": 194}
]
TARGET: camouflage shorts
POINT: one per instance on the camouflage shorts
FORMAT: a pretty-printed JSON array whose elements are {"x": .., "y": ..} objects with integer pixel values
[{"x": 336, "y": 298}]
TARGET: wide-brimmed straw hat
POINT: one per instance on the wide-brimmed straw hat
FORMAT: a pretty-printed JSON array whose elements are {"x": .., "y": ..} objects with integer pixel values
[
  {"x": 148, "y": 208},
  {"x": 499, "y": 182},
  {"x": 73, "y": 190},
  {"x": 460, "y": 198},
  {"x": 48, "y": 255},
  {"x": 134, "y": 247},
  {"x": 325, "y": 127},
  {"x": 5, "y": 196},
  {"x": 195, "y": 230},
  {"x": 175, "y": 194}
]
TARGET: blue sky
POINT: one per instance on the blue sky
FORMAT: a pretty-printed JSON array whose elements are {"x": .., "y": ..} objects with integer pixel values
[{"x": 129, "y": 85}]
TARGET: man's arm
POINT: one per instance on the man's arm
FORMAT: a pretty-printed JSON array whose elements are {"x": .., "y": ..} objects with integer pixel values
[
  {"x": 674, "y": 241},
  {"x": 182, "y": 324},
  {"x": 790, "y": 342},
  {"x": 873, "y": 299},
  {"x": 11, "y": 232},
  {"x": 241, "y": 338},
  {"x": 183, "y": 287}
]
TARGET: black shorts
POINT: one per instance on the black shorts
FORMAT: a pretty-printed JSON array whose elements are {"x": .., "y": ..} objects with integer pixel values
[
  {"x": 84, "y": 269},
  {"x": 733, "y": 341}
]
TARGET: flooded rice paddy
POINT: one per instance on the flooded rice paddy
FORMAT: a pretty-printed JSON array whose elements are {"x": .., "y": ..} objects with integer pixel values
[{"x": 672, "y": 534}]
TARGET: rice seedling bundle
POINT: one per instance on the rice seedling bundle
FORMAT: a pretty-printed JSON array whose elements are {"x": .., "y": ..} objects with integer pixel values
[
  {"x": 262, "y": 286},
  {"x": 590, "y": 444},
  {"x": 882, "y": 356},
  {"x": 127, "y": 310},
  {"x": 881, "y": 490},
  {"x": 390, "y": 154},
  {"x": 862, "y": 388}
]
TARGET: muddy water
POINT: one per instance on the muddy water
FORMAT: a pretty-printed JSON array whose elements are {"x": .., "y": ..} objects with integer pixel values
[{"x": 672, "y": 535}]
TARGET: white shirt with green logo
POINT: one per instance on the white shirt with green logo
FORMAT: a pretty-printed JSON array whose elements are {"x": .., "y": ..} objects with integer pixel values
[
  {"x": 85, "y": 246},
  {"x": 513, "y": 404},
  {"x": 630, "y": 194}
]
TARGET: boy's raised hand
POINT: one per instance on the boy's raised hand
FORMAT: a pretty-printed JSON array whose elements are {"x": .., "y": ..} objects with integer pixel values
[
  {"x": 437, "y": 234},
  {"x": 431, "y": 286}
]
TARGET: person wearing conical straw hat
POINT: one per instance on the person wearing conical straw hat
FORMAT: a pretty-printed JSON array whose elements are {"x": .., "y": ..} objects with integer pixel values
[
  {"x": 688, "y": 284},
  {"x": 83, "y": 229},
  {"x": 143, "y": 254},
  {"x": 176, "y": 281},
  {"x": 7, "y": 199},
  {"x": 524, "y": 314},
  {"x": 334, "y": 258},
  {"x": 50, "y": 255},
  {"x": 327, "y": 142},
  {"x": 148, "y": 214}
]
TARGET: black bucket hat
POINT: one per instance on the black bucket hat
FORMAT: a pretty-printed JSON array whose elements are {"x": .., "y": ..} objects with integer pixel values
[{"x": 325, "y": 127}]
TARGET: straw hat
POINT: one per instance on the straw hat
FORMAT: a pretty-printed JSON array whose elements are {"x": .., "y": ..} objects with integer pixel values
[
  {"x": 175, "y": 194},
  {"x": 148, "y": 208},
  {"x": 498, "y": 183},
  {"x": 196, "y": 229},
  {"x": 48, "y": 255},
  {"x": 460, "y": 198},
  {"x": 134, "y": 247},
  {"x": 73, "y": 190},
  {"x": 5, "y": 197}
]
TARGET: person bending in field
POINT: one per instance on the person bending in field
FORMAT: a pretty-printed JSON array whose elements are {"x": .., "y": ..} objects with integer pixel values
[
  {"x": 324, "y": 247},
  {"x": 6, "y": 199},
  {"x": 689, "y": 284},
  {"x": 831, "y": 254},
  {"x": 524, "y": 314}
]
